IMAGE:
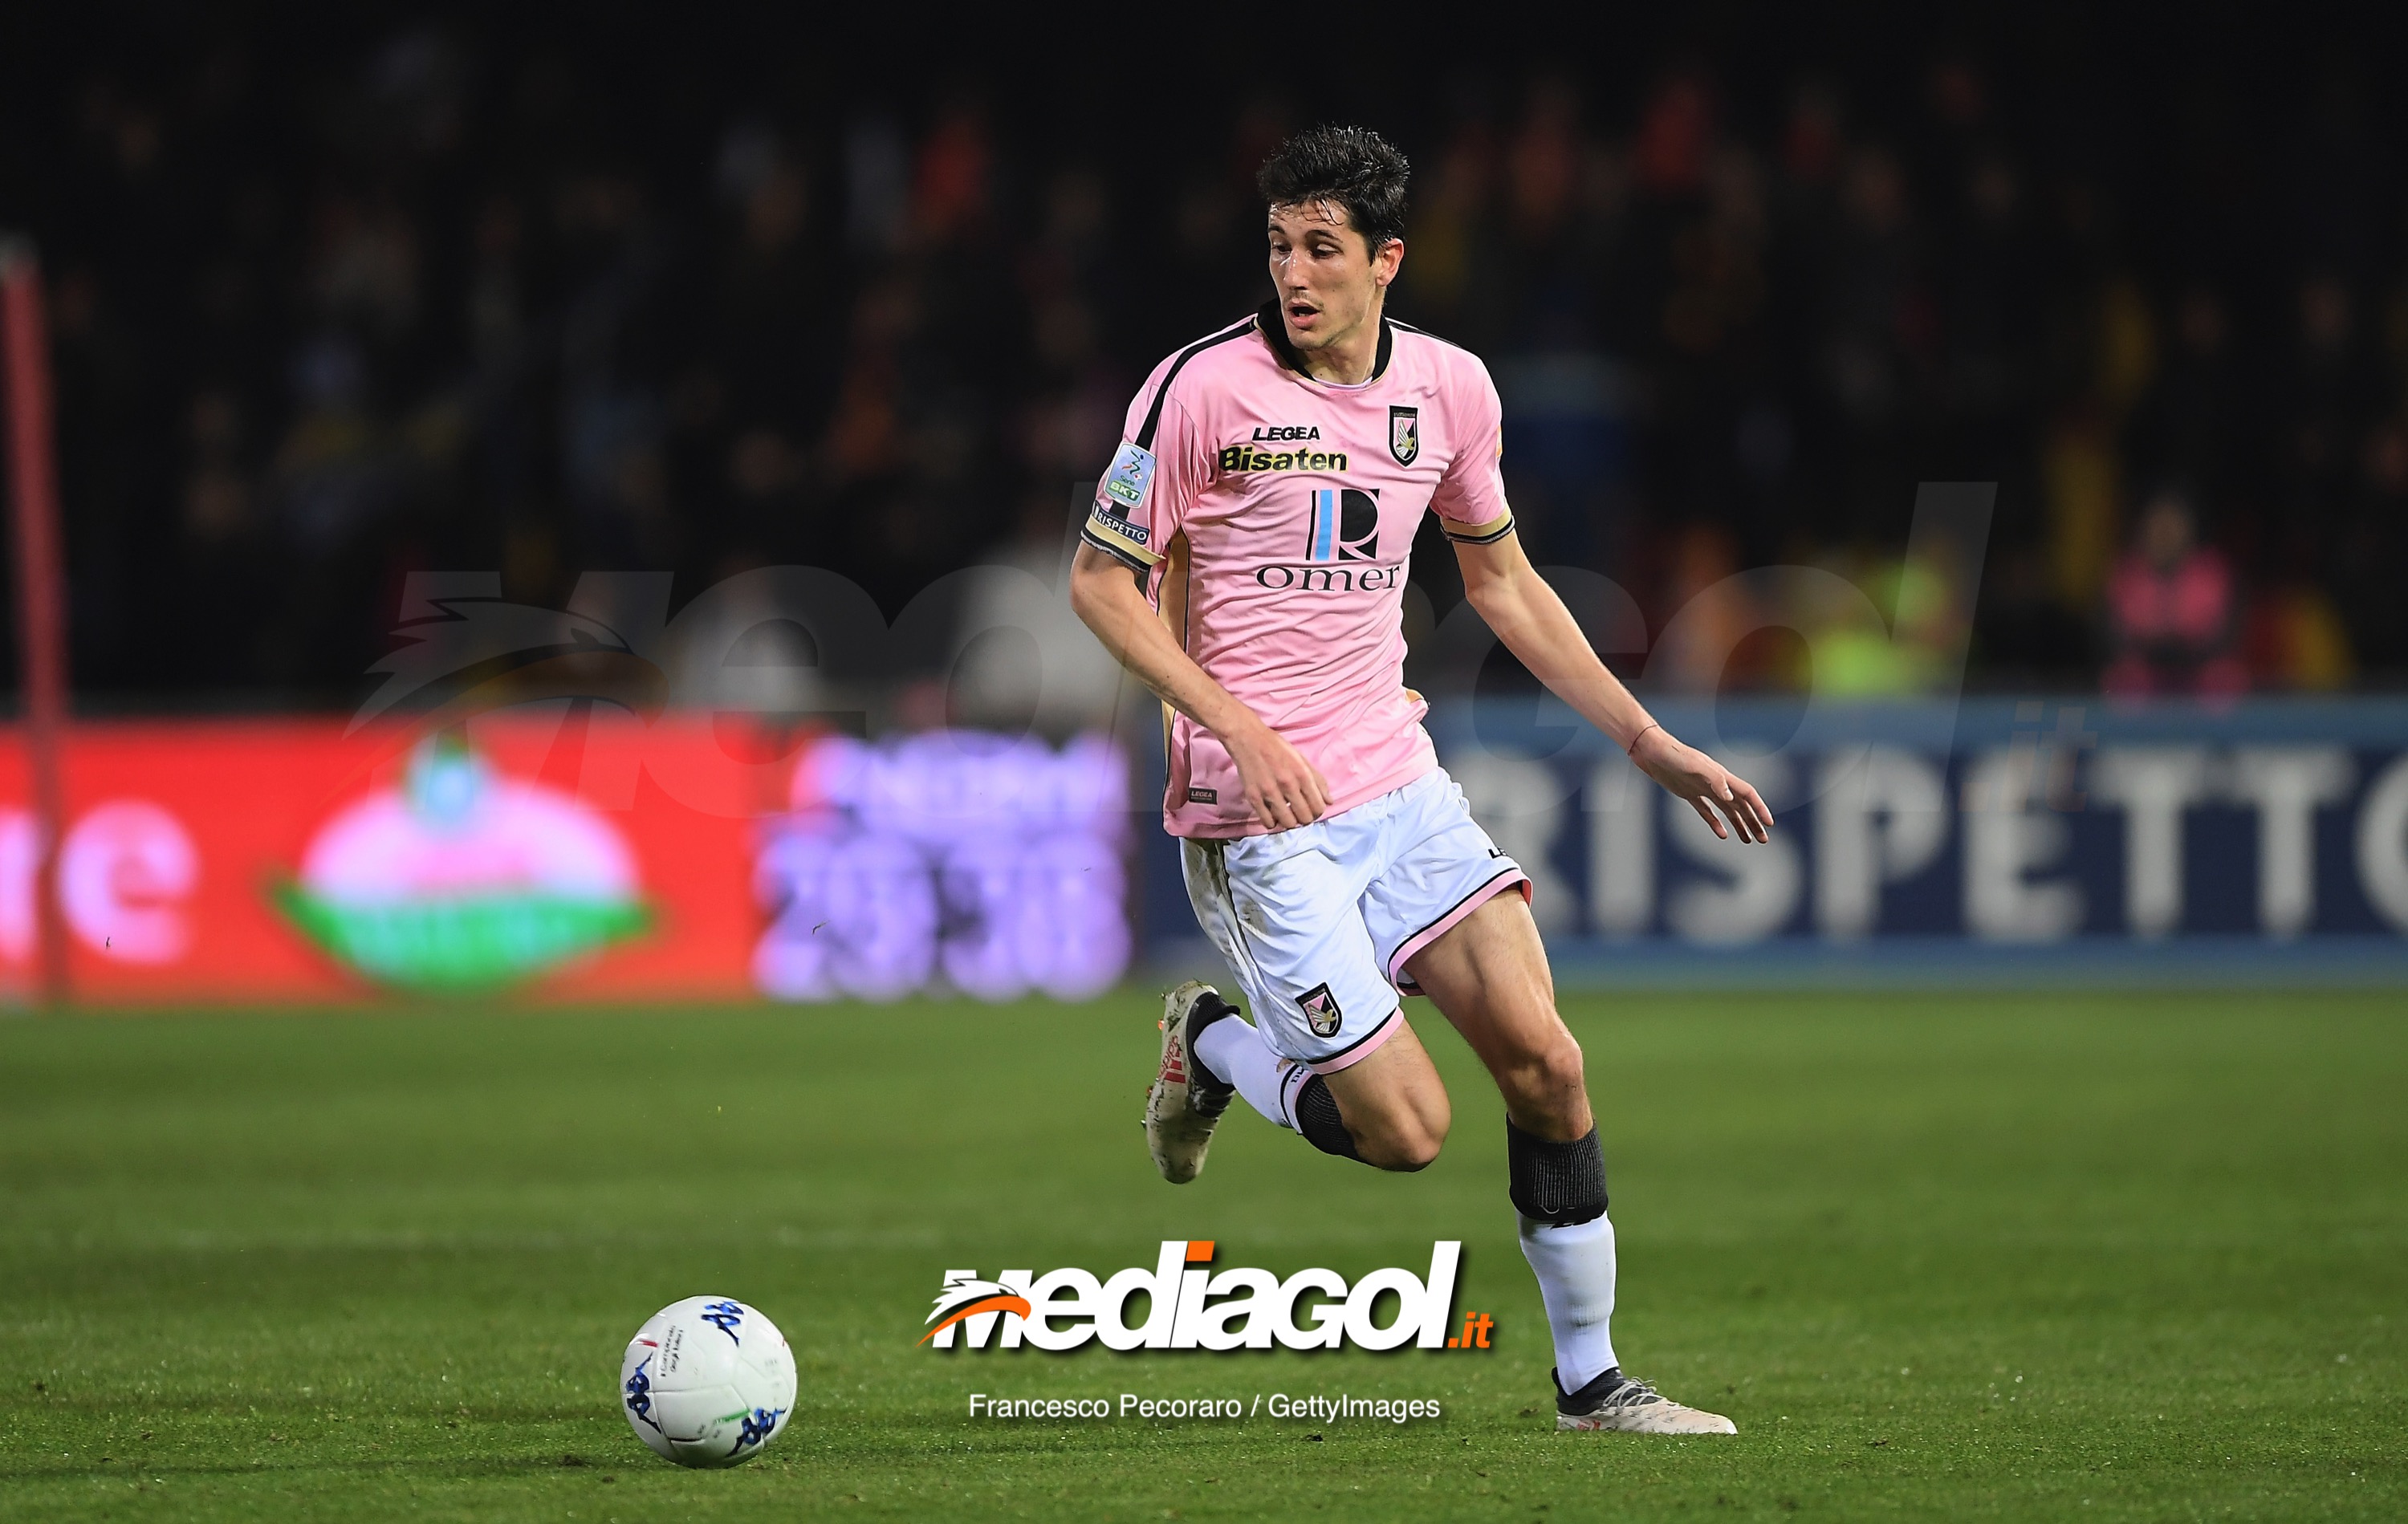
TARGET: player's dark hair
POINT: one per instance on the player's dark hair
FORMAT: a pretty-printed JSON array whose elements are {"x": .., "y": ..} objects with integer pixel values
[{"x": 1353, "y": 166}]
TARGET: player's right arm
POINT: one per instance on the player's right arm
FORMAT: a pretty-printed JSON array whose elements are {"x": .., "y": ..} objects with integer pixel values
[
  {"x": 1282, "y": 788},
  {"x": 1141, "y": 506}
]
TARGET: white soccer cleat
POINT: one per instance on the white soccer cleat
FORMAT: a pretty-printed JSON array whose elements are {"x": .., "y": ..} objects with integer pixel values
[
  {"x": 1633, "y": 1407},
  {"x": 1184, "y": 1104}
]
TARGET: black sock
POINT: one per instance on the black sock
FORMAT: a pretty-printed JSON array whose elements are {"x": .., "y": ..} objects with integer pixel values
[
  {"x": 1608, "y": 1381},
  {"x": 1208, "y": 1009},
  {"x": 1317, "y": 1119}
]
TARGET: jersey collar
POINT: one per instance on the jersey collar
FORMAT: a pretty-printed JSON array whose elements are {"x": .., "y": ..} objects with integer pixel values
[{"x": 1274, "y": 331}]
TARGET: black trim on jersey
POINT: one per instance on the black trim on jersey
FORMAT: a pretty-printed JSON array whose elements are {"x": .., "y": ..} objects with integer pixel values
[
  {"x": 1153, "y": 415},
  {"x": 1275, "y": 330},
  {"x": 1433, "y": 337},
  {"x": 1491, "y": 538},
  {"x": 1186, "y": 590},
  {"x": 1114, "y": 551}
]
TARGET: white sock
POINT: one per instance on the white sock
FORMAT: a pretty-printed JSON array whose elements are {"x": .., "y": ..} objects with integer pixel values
[
  {"x": 1233, "y": 1049},
  {"x": 1575, "y": 1270}
]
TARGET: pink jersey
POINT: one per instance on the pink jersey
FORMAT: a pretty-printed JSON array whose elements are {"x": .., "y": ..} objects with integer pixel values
[{"x": 1274, "y": 516}]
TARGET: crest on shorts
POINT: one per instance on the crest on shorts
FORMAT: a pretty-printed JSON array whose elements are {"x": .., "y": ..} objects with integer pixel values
[
  {"x": 1321, "y": 1012},
  {"x": 1405, "y": 434}
]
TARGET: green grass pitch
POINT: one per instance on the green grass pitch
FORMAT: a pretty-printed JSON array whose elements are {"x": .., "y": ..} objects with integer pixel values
[{"x": 2046, "y": 1256}]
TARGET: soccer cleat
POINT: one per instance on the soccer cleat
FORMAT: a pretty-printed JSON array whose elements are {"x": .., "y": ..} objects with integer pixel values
[
  {"x": 1615, "y": 1401},
  {"x": 1184, "y": 1103}
]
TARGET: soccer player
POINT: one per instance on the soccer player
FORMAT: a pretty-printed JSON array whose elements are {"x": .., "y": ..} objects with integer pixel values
[{"x": 1246, "y": 560}]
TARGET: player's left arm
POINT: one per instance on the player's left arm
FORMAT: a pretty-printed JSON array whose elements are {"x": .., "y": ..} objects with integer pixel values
[{"x": 1535, "y": 625}]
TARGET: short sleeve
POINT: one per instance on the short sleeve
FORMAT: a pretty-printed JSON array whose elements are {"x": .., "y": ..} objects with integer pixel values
[
  {"x": 1152, "y": 482},
  {"x": 1471, "y": 497}
]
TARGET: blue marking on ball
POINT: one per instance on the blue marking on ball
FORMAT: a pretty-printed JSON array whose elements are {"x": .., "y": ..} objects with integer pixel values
[
  {"x": 762, "y": 1422},
  {"x": 640, "y": 1394}
]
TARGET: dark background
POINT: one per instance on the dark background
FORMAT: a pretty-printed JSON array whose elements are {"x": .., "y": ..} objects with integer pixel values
[{"x": 343, "y": 293}]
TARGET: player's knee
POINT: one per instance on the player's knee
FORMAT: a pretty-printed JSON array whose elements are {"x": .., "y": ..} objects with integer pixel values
[
  {"x": 1405, "y": 1139},
  {"x": 1402, "y": 1155},
  {"x": 1559, "y": 1064},
  {"x": 1547, "y": 1085},
  {"x": 1407, "y": 1144}
]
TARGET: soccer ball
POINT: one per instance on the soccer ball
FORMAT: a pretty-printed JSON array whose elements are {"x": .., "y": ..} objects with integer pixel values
[{"x": 707, "y": 1382}]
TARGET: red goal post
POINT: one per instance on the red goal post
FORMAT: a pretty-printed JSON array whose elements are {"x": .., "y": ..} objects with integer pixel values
[{"x": 41, "y": 582}]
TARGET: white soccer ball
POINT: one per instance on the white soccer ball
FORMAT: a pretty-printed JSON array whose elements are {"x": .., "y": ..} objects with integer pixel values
[{"x": 707, "y": 1382}]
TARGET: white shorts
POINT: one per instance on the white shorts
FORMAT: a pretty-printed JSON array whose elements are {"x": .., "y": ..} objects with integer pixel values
[{"x": 1318, "y": 922}]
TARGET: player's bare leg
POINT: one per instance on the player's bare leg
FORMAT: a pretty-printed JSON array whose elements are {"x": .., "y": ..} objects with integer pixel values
[
  {"x": 1397, "y": 1120},
  {"x": 1395, "y": 1107},
  {"x": 1489, "y": 976}
]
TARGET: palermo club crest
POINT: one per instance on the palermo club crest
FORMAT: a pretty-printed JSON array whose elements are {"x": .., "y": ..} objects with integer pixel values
[
  {"x": 1321, "y": 1012},
  {"x": 1405, "y": 433}
]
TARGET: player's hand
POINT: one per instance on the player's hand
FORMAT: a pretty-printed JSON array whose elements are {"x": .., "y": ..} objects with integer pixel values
[
  {"x": 1706, "y": 784},
  {"x": 1282, "y": 788}
]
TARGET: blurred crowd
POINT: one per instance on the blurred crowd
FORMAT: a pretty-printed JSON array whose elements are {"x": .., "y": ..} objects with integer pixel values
[{"x": 424, "y": 300}]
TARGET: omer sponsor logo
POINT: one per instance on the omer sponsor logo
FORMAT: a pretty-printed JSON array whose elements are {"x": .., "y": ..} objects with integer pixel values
[
  {"x": 1329, "y": 578},
  {"x": 1341, "y": 526},
  {"x": 1191, "y": 1305}
]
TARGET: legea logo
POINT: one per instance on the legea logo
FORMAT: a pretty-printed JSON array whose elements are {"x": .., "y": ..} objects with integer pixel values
[{"x": 1193, "y": 1306}]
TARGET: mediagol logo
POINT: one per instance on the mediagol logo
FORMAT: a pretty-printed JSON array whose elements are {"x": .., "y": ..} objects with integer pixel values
[{"x": 1194, "y": 1306}]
